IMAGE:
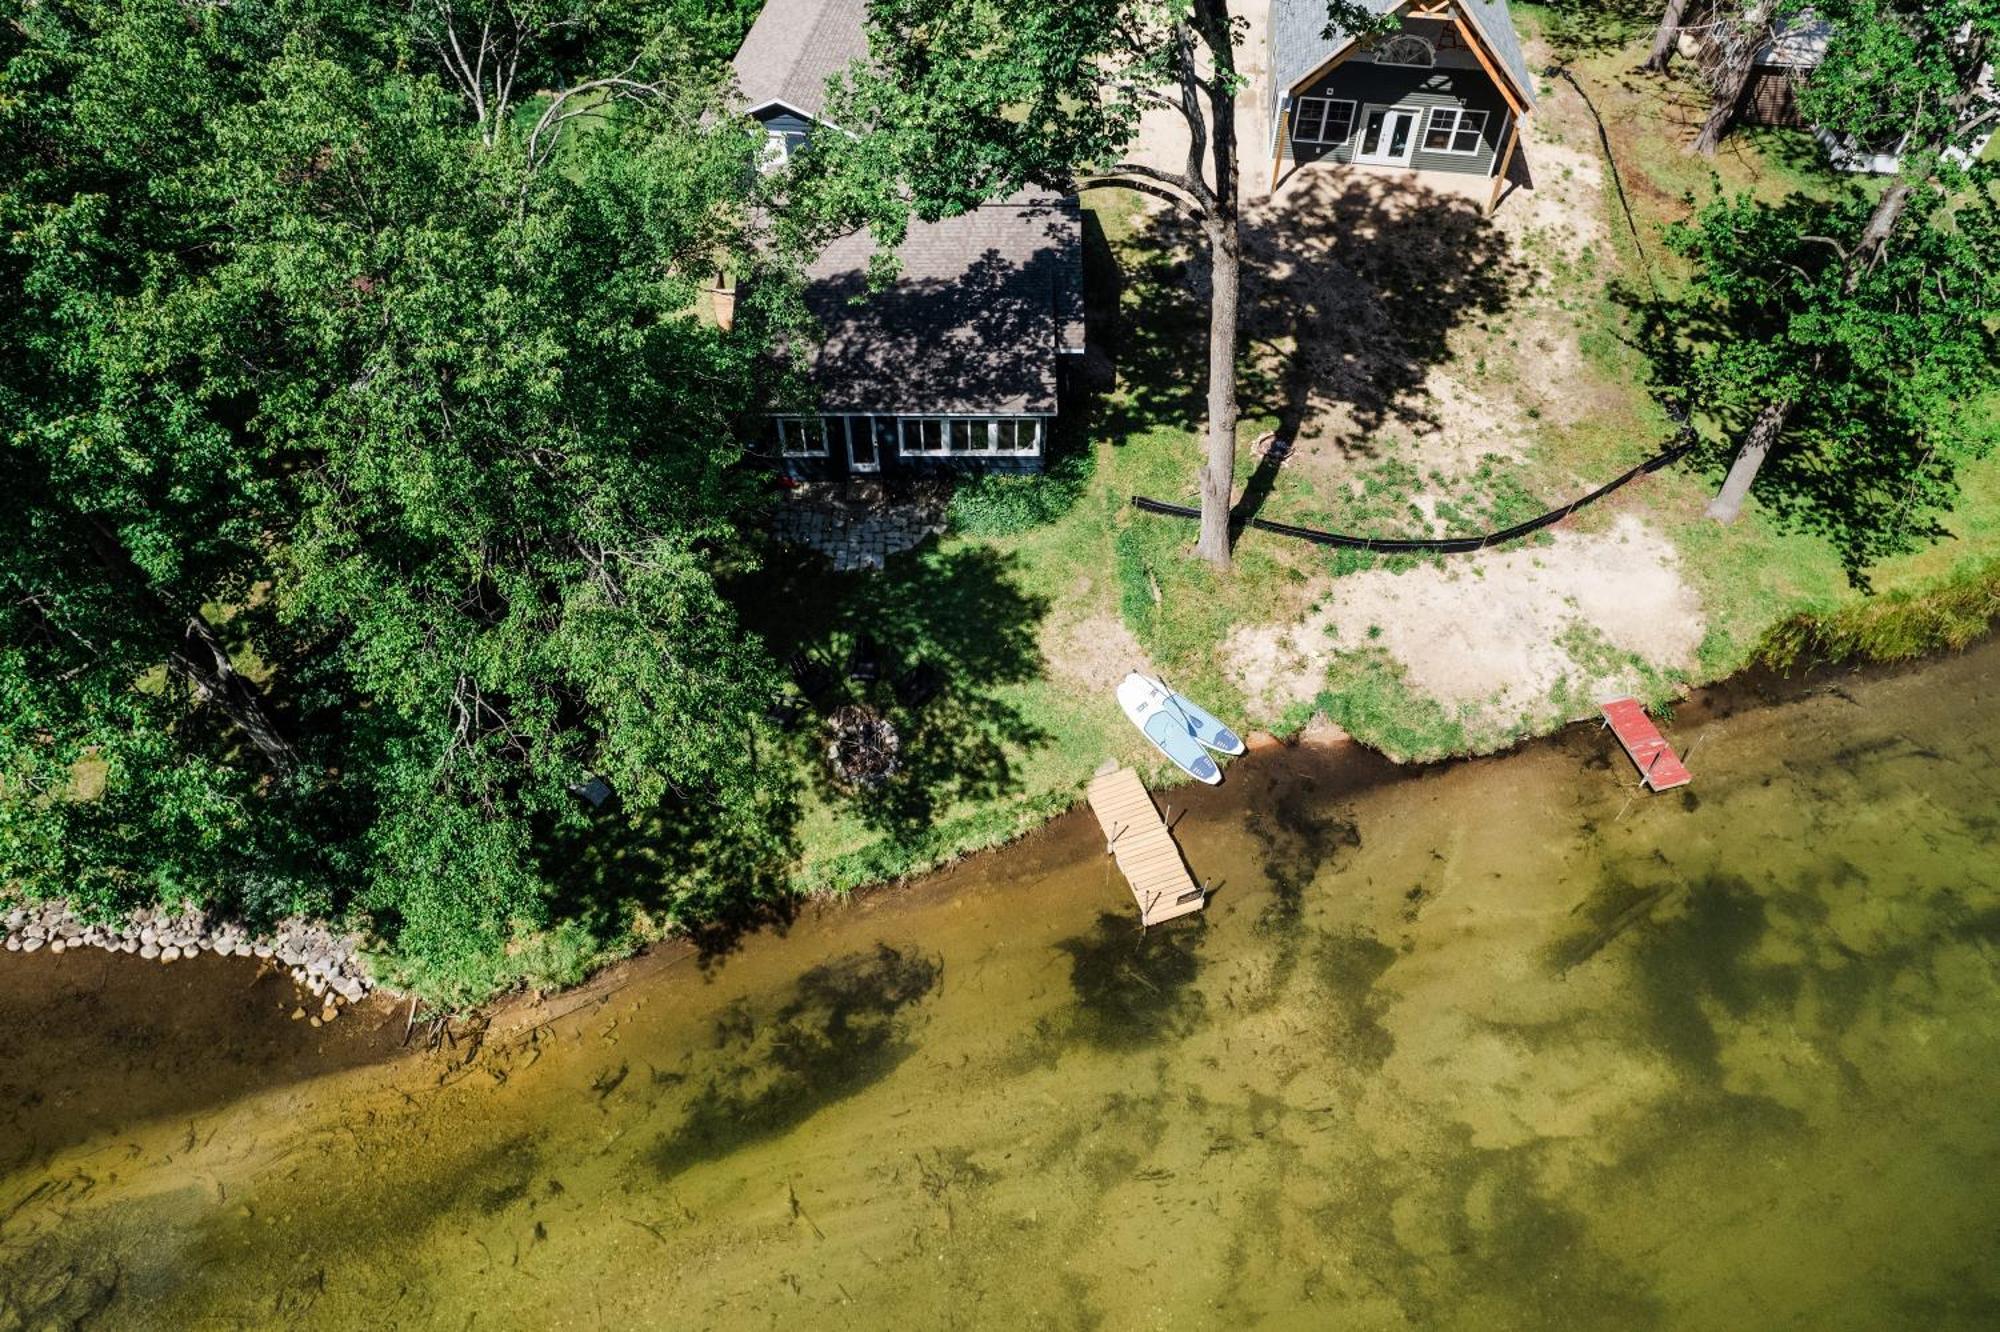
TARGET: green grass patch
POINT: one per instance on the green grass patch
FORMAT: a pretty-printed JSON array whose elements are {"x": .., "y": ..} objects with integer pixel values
[
  {"x": 1370, "y": 696},
  {"x": 1899, "y": 625}
]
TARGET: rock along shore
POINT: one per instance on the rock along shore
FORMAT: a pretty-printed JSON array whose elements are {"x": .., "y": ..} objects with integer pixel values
[{"x": 328, "y": 965}]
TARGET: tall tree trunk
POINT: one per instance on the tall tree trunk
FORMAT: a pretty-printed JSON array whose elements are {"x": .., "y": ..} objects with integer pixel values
[
  {"x": 1881, "y": 225},
  {"x": 1739, "y": 51},
  {"x": 1218, "y": 472},
  {"x": 209, "y": 669},
  {"x": 1764, "y": 432},
  {"x": 1882, "y": 219},
  {"x": 1665, "y": 36},
  {"x": 1225, "y": 249}
]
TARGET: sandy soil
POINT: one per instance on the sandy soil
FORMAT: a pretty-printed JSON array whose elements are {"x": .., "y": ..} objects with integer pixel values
[
  {"x": 1486, "y": 635},
  {"x": 1094, "y": 651}
]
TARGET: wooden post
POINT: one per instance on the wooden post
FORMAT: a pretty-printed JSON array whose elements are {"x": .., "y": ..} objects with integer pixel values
[
  {"x": 1506, "y": 164},
  {"x": 1278, "y": 139}
]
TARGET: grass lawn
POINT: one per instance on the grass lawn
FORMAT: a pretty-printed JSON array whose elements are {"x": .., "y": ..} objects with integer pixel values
[{"x": 1515, "y": 380}]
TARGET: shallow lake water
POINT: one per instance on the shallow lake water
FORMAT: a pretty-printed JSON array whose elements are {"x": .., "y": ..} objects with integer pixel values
[{"x": 1494, "y": 1044}]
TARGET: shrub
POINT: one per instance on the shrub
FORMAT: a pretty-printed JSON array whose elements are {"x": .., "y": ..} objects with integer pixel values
[{"x": 1001, "y": 504}]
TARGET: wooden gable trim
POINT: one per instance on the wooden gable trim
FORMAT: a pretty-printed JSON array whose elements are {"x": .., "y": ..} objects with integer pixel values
[
  {"x": 1476, "y": 40},
  {"x": 1331, "y": 63}
]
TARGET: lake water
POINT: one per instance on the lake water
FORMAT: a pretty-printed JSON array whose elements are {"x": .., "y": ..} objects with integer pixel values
[{"x": 1497, "y": 1044}]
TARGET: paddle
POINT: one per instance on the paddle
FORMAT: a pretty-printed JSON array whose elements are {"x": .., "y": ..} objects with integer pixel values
[{"x": 1187, "y": 721}]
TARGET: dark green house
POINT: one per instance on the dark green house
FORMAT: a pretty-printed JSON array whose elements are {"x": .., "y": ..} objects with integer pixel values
[
  {"x": 963, "y": 363},
  {"x": 1443, "y": 95}
]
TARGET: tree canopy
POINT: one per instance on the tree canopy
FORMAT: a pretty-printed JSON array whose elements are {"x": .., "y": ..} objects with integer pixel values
[
  {"x": 375, "y": 471},
  {"x": 1881, "y": 365}
]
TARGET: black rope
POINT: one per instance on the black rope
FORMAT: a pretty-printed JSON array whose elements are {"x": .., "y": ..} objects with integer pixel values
[
  {"x": 1444, "y": 545},
  {"x": 1611, "y": 161}
]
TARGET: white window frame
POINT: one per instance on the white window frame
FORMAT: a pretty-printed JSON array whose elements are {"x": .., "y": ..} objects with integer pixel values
[
  {"x": 805, "y": 429},
  {"x": 1326, "y": 105},
  {"x": 1460, "y": 115},
  {"x": 1019, "y": 450},
  {"x": 1430, "y": 51},
  {"x": 910, "y": 428},
  {"x": 863, "y": 424}
]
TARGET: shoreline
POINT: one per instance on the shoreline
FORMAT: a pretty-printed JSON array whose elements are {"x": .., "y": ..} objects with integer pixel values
[
  {"x": 320, "y": 960},
  {"x": 327, "y": 964}
]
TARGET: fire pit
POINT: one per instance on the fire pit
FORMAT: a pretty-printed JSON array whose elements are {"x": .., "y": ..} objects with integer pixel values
[{"x": 861, "y": 747}]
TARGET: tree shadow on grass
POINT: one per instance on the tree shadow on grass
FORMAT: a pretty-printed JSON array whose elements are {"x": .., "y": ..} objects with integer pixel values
[
  {"x": 1147, "y": 314},
  {"x": 961, "y": 614},
  {"x": 1866, "y": 485},
  {"x": 1352, "y": 285},
  {"x": 717, "y": 875},
  {"x": 846, "y": 1025}
]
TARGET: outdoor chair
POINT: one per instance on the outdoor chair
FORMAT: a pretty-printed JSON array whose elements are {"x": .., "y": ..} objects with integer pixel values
[
  {"x": 864, "y": 663},
  {"x": 811, "y": 675},
  {"x": 919, "y": 685}
]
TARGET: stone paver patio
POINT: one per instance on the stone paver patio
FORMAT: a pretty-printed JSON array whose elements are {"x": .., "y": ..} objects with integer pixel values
[{"x": 858, "y": 526}]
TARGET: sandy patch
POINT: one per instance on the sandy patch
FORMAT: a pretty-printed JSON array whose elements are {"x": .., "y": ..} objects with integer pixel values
[
  {"x": 1495, "y": 634},
  {"x": 1096, "y": 651},
  {"x": 1564, "y": 207},
  {"x": 1463, "y": 425}
]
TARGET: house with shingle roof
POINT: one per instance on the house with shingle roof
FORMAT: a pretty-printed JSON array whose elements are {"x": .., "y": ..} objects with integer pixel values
[
  {"x": 1445, "y": 93},
  {"x": 962, "y": 363}
]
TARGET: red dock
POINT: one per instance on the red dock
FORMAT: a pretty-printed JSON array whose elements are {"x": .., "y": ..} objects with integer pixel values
[{"x": 1659, "y": 767}]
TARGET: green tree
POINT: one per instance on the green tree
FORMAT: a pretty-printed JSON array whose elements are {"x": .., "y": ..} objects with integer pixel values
[
  {"x": 1880, "y": 365},
  {"x": 970, "y": 100},
  {"x": 1907, "y": 71},
  {"x": 379, "y": 473}
]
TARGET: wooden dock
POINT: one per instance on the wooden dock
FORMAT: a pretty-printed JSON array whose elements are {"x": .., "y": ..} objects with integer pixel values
[
  {"x": 1659, "y": 767},
  {"x": 1145, "y": 850}
]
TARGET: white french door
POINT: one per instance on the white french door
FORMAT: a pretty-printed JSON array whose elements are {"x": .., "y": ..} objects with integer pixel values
[
  {"x": 864, "y": 452},
  {"x": 1388, "y": 135}
]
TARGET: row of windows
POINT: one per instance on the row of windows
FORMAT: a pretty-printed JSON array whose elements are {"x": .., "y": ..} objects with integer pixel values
[
  {"x": 865, "y": 438},
  {"x": 1331, "y": 121}
]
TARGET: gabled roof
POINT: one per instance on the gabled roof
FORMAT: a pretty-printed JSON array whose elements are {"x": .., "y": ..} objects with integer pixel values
[
  {"x": 972, "y": 324},
  {"x": 1298, "y": 46},
  {"x": 794, "y": 47},
  {"x": 1798, "y": 43}
]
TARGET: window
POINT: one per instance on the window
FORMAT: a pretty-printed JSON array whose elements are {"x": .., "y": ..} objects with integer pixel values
[
  {"x": 1406, "y": 48},
  {"x": 1454, "y": 131},
  {"x": 921, "y": 435},
  {"x": 801, "y": 437},
  {"x": 969, "y": 436},
  {"x": 1321, "y": 120},
  {"x": 779, "y": 147},
  {"x": 1021, "y": 436}
]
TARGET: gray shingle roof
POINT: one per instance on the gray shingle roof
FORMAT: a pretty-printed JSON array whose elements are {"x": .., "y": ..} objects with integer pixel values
[
  {"x": 973, "y": 324},
  {"x": 1297, "y": 47},
  {"x": 795, "y": 46},
  {"x": 1799, "y": 43}
]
